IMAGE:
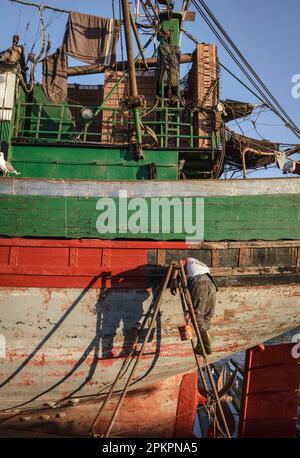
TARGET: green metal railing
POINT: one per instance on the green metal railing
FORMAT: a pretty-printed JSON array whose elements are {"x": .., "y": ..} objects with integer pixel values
[{"x": 165, "y": 127}]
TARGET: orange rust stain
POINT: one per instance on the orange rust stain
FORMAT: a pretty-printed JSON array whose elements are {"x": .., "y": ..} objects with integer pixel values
[
  {"x": 107, "y": 362},
  {"x": 229, "y": 348},
  {"x": 65, "y": 306},
  {"x": 12, "y": 289},
  {"x": 47, "y": 297},
  {"x": 67, "y": 362},
  {"x": 228, "y": 314},
  {"x": 92, "y": 382},
  {"x": 12, "y": 355},
  {"x": 27, "y": 380},
  {"x": 40, "y": 362}
]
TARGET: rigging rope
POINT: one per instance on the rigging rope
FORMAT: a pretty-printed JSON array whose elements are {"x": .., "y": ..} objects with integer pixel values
[
  {"x": 281, "y": 113},
  {"x": 190, "y": 308},
  {"x": 247, "y": 64}
]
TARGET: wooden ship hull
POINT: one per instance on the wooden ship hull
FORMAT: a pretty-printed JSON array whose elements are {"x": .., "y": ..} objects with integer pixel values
[
  {"x": 72, "y": 306},
  {"x": 70, "y": 301},
  {"x": 72, "y": 296},
  {"x": 65, "y": 345}
]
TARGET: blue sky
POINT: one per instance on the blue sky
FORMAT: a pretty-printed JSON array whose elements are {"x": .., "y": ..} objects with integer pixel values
[{"x": 265, "y": 30}]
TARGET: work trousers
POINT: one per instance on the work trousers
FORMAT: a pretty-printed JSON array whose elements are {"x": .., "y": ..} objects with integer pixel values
[{"x": 204, "y": 296}]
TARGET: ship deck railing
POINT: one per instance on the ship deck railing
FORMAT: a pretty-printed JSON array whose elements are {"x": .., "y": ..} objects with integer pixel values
[{"x": 162, "y": 127}]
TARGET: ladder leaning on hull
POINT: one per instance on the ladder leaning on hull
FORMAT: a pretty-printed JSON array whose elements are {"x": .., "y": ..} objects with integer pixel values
[{"x": 189, "y": 313}]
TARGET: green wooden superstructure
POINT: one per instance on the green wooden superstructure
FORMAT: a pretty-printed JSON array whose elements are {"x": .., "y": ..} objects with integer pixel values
[
  {"x": 268, "y": 217},
  {"x": 44, "y": 143},
  {"x": 106, "y": 193},
  {"x": 44, "y": 146},
  {"x": 49, "y": 145},
  {"x": 75, "y": 162}
]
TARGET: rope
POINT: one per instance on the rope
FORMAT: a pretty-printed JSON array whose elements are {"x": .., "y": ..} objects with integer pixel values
[
  {"x": 155, "y": 307},
  {"x": 155, "y": 313},
  {"x": 189, "y": 303},
  {"x": 250, "y": 68},
  {"x": 284, "y": 117},
  {"x": 157, "y": 304},
  {"x": 18, "y": 24},
  {"x": 150, "y": 19},
  {"x": 123, "y": 368},
  {"x": 29, "y": 87},
  {"x": 170, "y": 418},
  {"x": 3, "y": 106}
]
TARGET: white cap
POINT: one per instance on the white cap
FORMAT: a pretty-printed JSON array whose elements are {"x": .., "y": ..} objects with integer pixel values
[{"x": 195, "y": 267}]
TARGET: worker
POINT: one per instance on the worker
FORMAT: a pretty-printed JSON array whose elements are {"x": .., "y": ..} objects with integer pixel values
[{"x": 203, "y": 291}]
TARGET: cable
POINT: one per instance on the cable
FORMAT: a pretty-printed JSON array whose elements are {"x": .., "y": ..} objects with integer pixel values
[
  {"x": 18, "y": 24},
  {"x": 244, "y": 60},
  {"x": 191, "y": 37},
  {"x": 283, "y": 115},
  {"x": 266, "y": 100},
  {"x": 233, "y": 56},
  {"x": 241, "y": 82}
]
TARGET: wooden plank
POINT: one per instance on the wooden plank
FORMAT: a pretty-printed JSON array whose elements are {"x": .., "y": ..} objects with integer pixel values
[
  {"x": 229, "y": 257},
  {"x": 240, "y": 271},
  {"x": 73, "y": 257},
  {"x": 13, "y": 255},
  {"x": 94, "y": 258},
  {"x": 161, "y": 256},
  {"x": 286, "y": 187},
  {"x": 215, "y": 258},
  {"x": 284, "y": 256},
  {"x": 266, "y": 312},
  {"x": 298, "y": 261},
  {"x": 75, "y": 217},
  {"x": 69, "y": 162},
  {"x": 244, "y": 257},
  {"x": 265, "y": 244}
]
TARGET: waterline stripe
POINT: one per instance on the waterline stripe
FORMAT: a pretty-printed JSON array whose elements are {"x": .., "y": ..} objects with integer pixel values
[{"x": 190, "y": 188}]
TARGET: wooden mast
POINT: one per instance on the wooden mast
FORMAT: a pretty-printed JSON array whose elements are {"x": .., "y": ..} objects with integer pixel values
[
  {"x": 132, "y": 77},
  {"x": 96, "y": 68}
]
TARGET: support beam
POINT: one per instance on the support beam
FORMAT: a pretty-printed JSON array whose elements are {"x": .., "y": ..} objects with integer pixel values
[
  {"x": 39, "y": 5},
  {"x": 137, "y": 39},
  {"x": 94, "y": 69},
  {"x": 132, "y": 77}
]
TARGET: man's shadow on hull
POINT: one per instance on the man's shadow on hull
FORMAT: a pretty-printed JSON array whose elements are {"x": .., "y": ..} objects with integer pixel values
[
  {"x": 121, "y": 319},
  {"x": 110, "y": 312}
]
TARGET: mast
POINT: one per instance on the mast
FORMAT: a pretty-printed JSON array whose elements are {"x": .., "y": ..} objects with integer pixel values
[{"x": 134, "y": 96}]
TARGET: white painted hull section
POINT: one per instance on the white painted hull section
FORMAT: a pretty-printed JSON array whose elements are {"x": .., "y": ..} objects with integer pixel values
[{"x": 61, "y": 342}]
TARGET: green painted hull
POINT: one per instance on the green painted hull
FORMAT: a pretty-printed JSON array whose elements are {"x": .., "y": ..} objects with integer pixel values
[
  {"x": 94, "y": 163},
  {"x": 240, "y": 217}
]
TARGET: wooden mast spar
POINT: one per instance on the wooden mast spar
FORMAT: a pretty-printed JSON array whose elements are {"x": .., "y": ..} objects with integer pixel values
[
  {"x": 128, "y": 23},
  {"x": 132, "y": 78}
]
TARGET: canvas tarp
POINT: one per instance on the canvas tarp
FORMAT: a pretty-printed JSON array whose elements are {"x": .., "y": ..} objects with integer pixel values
[
  {"x": 92, "y": 39},
  {"x": 55, "y": 76},
  {"x": 88, "y": 38}
]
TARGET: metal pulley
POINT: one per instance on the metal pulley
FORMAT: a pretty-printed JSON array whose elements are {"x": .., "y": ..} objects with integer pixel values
[
  {"x": 168, "y": 3},
  {"x": 133, "y": 101}
]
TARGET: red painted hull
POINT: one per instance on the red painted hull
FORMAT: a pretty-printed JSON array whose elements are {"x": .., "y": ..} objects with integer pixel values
[
  {"x": 164, "y": 409},
  {"x": 70, "y": 307},
  {"x": 270, "y": 398},
  {"x": 78, "y": 263}
]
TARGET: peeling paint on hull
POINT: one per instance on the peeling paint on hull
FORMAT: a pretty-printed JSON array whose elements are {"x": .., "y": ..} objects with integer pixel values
[
  {"x": 63, "y": 342},
  {"x": 175, "y": 400}
]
